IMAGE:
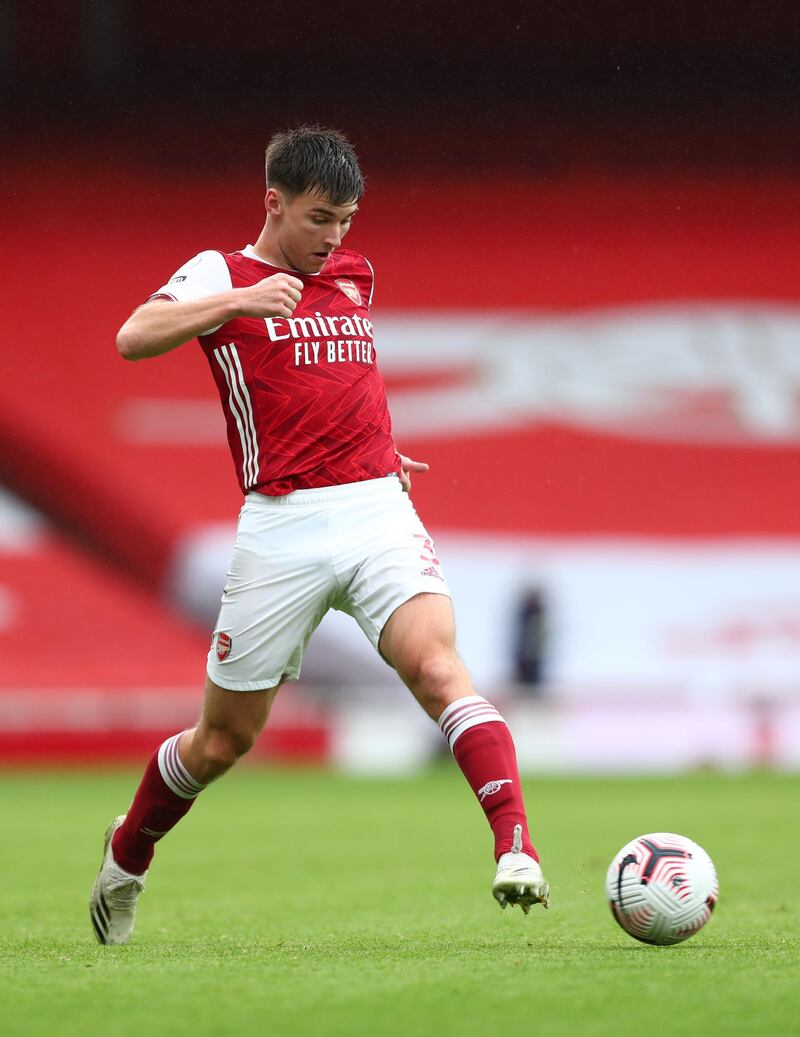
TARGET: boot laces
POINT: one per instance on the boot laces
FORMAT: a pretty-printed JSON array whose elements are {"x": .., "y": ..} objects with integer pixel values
[{"x": 123, "y": 896}]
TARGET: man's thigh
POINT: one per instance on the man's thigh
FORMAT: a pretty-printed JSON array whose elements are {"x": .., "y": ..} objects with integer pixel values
[
  {"x": 244, "y": 711},
  {"x": 418, "y": 640},
  {"x": 421, "y": 625},
  {"x": 389, "y": 558},
  {"x": 280, "y": 584},
  {"x": 230, "y": 719}
]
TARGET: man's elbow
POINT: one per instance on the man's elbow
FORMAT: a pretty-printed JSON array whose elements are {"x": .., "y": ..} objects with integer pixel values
[{"x": 127, "y": 345}]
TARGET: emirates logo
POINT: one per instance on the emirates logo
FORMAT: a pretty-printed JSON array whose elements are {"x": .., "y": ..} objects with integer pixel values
[{"x": 350, "y": 291}]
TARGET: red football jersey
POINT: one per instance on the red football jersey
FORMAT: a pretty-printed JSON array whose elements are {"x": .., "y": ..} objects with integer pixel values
[{"x": 304, "y": 402}]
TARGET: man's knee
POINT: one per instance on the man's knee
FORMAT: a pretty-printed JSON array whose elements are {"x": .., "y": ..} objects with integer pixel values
[
  {"x": 221, "y": 747},
  {"x": 434, "y": 676},
  {"x": 230, "y": 723}
]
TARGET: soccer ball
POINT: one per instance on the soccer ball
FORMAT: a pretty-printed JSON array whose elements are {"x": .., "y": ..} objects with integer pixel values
[{"x": 662, "y": 888}]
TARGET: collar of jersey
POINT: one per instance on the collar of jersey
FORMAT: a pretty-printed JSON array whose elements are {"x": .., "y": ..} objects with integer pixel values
[{"x": 250, "y": 252}]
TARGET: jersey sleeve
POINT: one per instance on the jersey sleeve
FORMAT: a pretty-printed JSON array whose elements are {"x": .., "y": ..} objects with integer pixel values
[
  {"x": 205, "y": 274},
  {"x": 372, "y": 281}
]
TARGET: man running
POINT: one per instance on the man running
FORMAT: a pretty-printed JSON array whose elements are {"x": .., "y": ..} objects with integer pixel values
[{"x": 285, "y": 325}]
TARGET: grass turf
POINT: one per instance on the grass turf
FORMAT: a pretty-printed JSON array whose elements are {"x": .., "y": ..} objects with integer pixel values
[{"x": 300, "y": 903}]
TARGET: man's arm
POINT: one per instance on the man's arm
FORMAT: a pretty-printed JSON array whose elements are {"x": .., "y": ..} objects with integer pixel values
[{"x": 161, "y": 324}]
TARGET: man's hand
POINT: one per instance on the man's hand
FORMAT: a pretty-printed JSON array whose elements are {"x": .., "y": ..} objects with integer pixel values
[
  {"x": 275, "y": 296},
  {"x": 406, "y": 467},
  {"x": 160, "y": 325}
]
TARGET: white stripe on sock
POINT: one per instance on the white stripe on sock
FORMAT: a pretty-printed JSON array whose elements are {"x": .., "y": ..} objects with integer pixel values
[
  {"x": 172, "y": 764},
  {"x": 465, "y": 713},
  {"x": 175, "y": 775}
]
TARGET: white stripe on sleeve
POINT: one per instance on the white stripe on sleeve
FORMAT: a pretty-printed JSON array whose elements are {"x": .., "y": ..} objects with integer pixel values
[{"x": 205, "y": 274}]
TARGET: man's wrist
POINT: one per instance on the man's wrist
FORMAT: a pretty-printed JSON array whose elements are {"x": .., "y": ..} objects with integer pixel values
[{"x": 233, "y": 305}]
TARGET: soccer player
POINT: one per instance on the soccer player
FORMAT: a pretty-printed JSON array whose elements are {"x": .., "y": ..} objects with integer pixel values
[{"x": 327, "y": 520}]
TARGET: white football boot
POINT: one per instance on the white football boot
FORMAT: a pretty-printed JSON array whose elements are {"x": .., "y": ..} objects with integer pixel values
[
  {"x": 112, "y": 906},
  {"x": 519, "y": 878}
]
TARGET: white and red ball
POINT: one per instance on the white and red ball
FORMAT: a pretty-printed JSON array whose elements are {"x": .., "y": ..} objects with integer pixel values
[{"x": 662, "y": 888}]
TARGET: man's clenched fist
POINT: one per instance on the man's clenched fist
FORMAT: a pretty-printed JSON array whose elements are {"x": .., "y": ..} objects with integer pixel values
[{"x": 275, "y": 296}]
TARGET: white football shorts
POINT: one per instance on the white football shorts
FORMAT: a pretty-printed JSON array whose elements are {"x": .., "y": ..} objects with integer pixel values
[{"x": 359, "y": 548}]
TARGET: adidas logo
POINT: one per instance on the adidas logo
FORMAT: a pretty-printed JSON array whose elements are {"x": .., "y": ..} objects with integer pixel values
[{"x": 430, "y": 571}]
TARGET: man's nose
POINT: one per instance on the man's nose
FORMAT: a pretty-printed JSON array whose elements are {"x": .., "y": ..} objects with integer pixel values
[{"x": 333, "y": 238}]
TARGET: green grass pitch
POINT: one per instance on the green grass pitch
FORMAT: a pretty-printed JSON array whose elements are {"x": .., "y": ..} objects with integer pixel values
[{"x": 298, "y": 903}]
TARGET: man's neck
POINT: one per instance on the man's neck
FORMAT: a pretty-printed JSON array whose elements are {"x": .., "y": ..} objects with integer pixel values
[{"x": 267, "y": 249}]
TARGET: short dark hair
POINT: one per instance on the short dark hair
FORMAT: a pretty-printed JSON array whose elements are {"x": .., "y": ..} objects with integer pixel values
[{"x": 310, "y": 158}]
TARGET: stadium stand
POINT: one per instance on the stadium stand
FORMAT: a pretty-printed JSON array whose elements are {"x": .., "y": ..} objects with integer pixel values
[
  {"x": 76, "y": 442},
  {"x": 132, "y": 459},
  {"x": 95, "y": 666}
]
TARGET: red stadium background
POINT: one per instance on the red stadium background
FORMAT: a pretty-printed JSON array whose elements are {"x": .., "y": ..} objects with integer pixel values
[{"x": 499, "y": 185}]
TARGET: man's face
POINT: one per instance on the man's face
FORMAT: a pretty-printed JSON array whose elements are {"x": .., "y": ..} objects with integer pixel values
[{"x": 309, "y": 228}]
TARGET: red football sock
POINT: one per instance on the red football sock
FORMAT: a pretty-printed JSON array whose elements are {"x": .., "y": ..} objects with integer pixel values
[
  {"x": 484, "y": 750},
  {"x": 165, "y": 794}
]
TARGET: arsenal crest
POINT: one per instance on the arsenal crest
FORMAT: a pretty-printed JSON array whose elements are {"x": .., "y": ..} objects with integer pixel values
[
  {"x": 350, "y": 291},
  {"x": 223, "y": 646}
]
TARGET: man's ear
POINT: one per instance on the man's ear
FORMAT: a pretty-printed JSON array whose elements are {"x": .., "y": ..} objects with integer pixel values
[{"x": 273, "y": 202}]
